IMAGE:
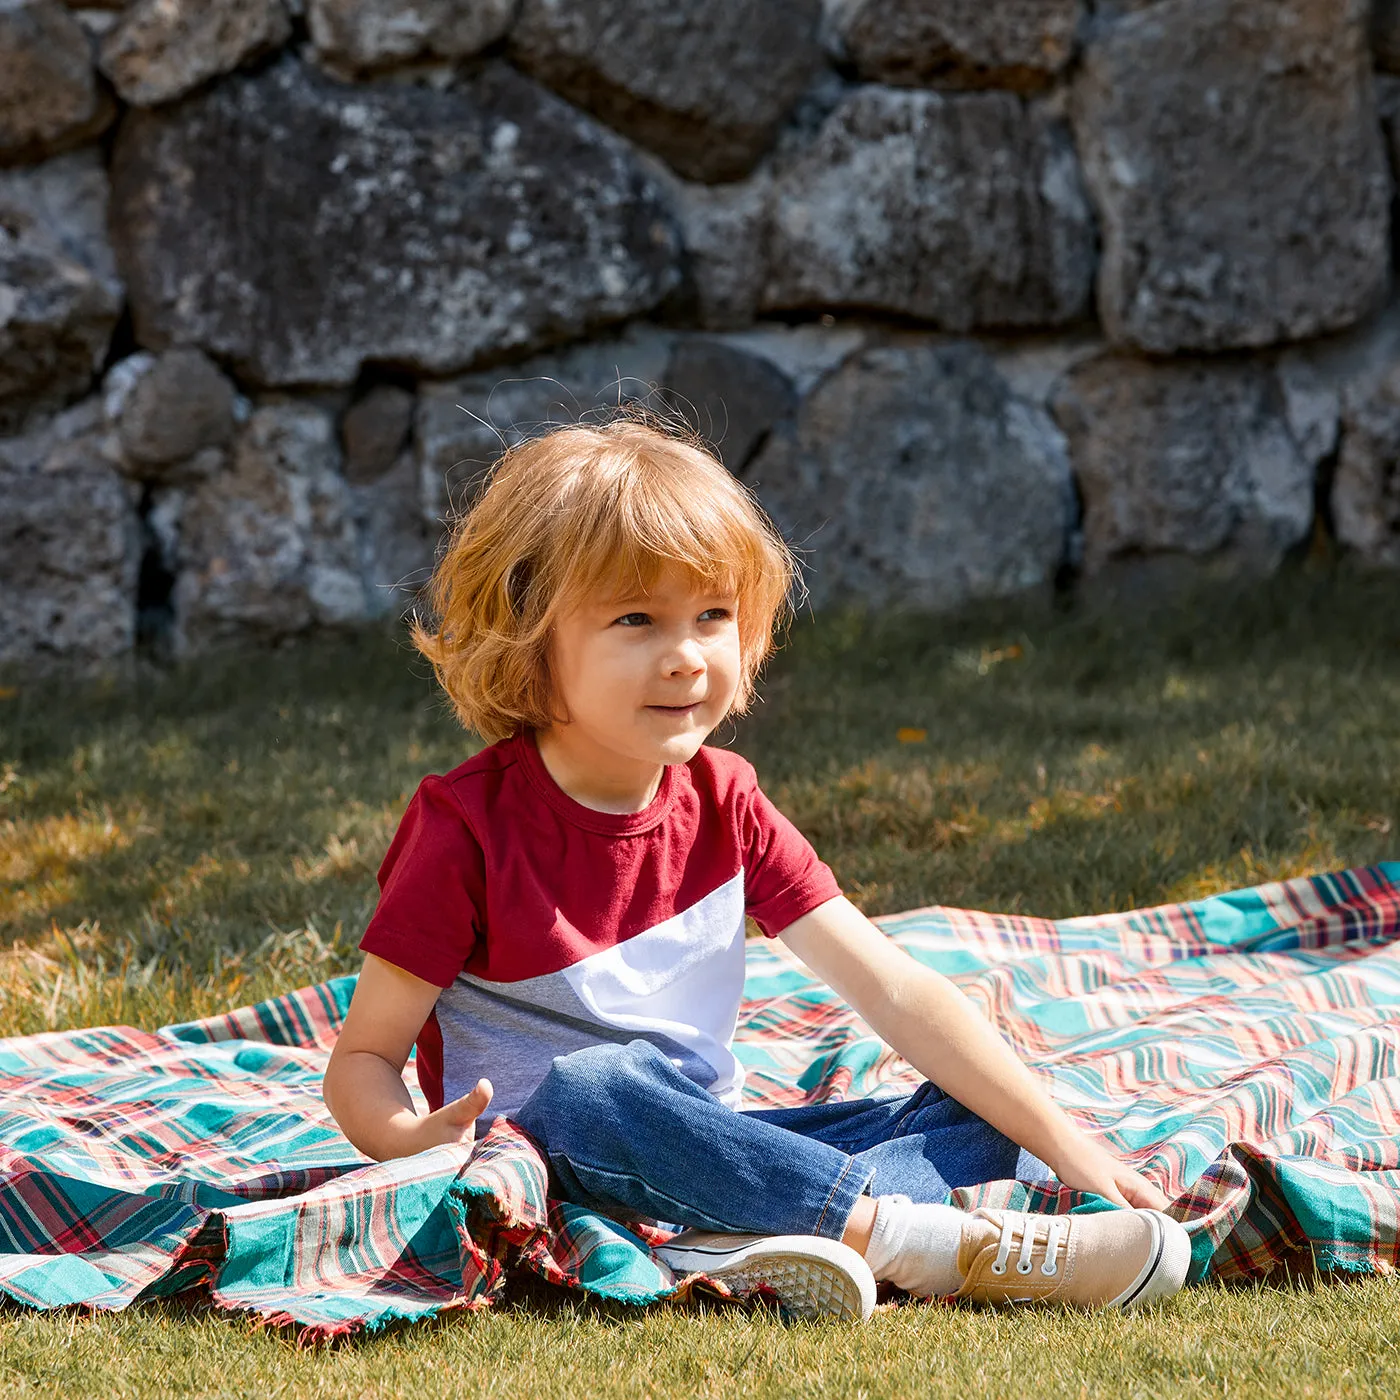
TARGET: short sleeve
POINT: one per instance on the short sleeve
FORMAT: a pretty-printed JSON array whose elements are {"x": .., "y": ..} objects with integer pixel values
[
  {"x": 783, "y": 877},
  {"x": 431, "y": 889}
]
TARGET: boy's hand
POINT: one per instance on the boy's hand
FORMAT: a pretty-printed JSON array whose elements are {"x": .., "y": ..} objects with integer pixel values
[
  {"x": 456, "y": 1121},
  {"x": 1087, "y": 1166}
]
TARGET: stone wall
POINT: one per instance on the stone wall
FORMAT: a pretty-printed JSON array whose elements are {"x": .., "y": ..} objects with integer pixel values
[{"x": 977, "y": 296}]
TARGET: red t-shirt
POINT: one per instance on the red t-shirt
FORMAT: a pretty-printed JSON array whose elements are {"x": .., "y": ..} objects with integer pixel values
[{"x": 550, "y": 926}]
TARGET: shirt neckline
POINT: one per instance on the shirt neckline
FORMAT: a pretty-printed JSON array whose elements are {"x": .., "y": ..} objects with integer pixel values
[{"x": 605, "y": 823}]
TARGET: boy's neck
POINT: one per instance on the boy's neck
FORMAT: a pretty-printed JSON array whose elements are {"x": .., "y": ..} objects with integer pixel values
[{"x": 599, "y": 781}]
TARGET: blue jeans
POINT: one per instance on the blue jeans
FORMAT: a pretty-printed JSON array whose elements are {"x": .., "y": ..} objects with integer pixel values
[{"x": 625, "y": 1133}]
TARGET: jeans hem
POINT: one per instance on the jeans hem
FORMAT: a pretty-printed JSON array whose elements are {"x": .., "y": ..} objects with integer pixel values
[{"x": 849, "y": 1187}]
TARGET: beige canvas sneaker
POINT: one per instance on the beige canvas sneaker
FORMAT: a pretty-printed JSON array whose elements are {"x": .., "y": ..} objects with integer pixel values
[{"x": 1111, "y": 1259}]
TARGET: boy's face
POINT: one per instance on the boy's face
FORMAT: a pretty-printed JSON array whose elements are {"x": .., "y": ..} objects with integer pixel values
[{"x": 648, "y": 677}]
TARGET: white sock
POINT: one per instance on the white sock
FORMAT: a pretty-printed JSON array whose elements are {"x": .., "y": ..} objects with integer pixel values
[{"x": 916, "y": 1246}]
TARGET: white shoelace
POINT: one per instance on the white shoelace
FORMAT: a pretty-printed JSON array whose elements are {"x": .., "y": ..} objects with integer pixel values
[{"x": 1013, "y": 1223}]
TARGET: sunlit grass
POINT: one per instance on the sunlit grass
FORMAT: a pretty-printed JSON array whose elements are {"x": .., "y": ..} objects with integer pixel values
[
  {"x": 159, "y": 832},
  {"x": 1271, "y": 1342},
  {"x": 174, "y": 844}
]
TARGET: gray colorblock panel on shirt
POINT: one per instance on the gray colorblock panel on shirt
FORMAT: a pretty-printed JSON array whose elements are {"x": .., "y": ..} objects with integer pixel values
[
  {"x": 512, "y": 1031},
  {"x": 676, "y": 985}
]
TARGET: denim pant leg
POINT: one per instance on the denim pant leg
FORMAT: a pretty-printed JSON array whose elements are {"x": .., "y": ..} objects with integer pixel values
[
  {"x": 922, "y": 1145},
  {"x": 627, "y": 1134}
]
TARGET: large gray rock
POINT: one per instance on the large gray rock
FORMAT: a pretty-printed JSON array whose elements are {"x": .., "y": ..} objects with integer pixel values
[
  {"x": 296, "y": 226},
  {"x": 1034, "y": 364},
  {"x": 397, "y": 544},
  {"x": 1318, "y": 376},
  {"x": 167, "y": 409},
  {"x": 69, "y": 545},
  {"x": 56, "y": 320},
  {"x": 365, "y": 34},
  {"x": 1194, "y": 457},
  {"x": 462, "y": 426},
  {"x": 60, "y": 295},
  {"x": 1366, "y": 486},
  {"x": 963, "y": 210},
  {"x": 915, "y": 478},
  {"x": 724, "y": 231},
  {"x": 60, "y": 206},
  {"x": 704, "y": 85},
  {"x": 804, "y": 353},
  {"x": 731, "y": 396},
  {"x": 268, "y": 548},
  {"x": 161, "y": 49},
  {"x": 1233, "y": 152},
  {"x": 49, "y": 95},
  {"x": 1020, "y": 44},
  {"x": 374, "y": 431}
]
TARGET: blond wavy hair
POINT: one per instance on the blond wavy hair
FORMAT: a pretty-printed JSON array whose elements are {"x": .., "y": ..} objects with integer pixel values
[{"x": 581, "y": 513}]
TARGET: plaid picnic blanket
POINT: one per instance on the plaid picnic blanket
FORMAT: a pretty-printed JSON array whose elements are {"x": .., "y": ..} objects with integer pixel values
[{"x": 1241, "y": 1049}]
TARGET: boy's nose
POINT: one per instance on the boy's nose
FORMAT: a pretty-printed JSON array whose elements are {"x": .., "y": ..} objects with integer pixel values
[{"x": 687, "y": 655}]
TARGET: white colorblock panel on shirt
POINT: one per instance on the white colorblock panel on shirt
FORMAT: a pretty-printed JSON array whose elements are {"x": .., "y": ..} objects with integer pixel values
[{"x": 682, "y": 979}]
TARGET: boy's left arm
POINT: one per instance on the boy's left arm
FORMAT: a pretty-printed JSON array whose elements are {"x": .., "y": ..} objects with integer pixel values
[{"x": 923, "y": 1016}]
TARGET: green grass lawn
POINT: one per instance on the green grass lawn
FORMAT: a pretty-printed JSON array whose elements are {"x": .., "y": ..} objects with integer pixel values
[{"x": 174, "y": 843}]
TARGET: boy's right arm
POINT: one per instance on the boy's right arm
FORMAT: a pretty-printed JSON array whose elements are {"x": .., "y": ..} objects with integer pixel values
[{"x": 364, "y": 1087}]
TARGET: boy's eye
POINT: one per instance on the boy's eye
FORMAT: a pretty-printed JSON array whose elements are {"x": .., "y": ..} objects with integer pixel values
[{"x": 639, "y": 618}]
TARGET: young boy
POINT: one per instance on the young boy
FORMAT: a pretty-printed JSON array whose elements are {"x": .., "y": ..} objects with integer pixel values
[{"x": 561, "y": 925}]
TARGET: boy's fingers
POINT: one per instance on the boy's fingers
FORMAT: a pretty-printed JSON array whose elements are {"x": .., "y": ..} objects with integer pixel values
[
  {"x": 1141, "y": 1192},
  {"x": 1153, "y": 1199}
]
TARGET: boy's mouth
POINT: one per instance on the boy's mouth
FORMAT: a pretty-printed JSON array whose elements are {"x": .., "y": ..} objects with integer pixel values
[{"x": 675, "y": 709}]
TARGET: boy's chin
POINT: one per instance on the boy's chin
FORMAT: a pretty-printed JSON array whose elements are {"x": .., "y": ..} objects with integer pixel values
[{"x": 681, "y": 748}]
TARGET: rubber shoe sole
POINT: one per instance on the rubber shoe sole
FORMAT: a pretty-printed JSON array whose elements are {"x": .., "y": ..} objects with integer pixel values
[
  {"x": 1165, "y": 1270},
  {"x": 811, "y": 1276}
]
